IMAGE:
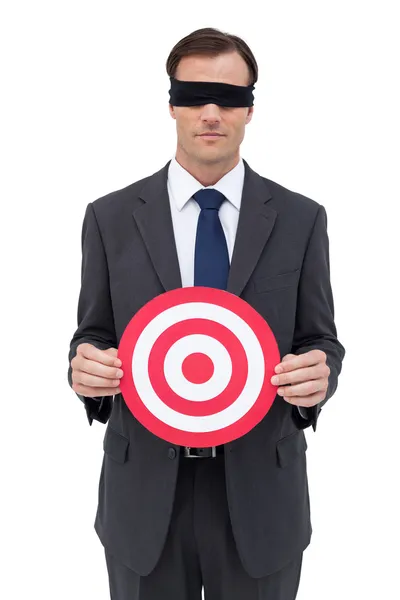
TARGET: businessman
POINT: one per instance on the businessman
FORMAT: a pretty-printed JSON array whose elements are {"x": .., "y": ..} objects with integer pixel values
[{"x": 232, "y": 520}]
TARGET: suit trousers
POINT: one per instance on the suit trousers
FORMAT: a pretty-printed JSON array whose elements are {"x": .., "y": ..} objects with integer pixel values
[{"x": 200, "y": 551}]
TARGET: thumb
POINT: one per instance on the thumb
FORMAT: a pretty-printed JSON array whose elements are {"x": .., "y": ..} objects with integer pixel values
[
  {"x": 111, "y": 351},
  {"x": 288, "y": 357}
]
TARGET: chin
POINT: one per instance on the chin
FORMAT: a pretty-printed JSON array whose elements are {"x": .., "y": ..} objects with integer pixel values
[{"x": 211, "y": 157}]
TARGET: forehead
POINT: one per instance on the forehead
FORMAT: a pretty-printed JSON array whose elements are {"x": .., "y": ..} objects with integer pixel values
[{"x": 224, "y": 68}]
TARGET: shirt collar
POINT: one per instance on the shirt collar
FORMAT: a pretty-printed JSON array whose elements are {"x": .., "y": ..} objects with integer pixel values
[{"x": 183, "y": 185}]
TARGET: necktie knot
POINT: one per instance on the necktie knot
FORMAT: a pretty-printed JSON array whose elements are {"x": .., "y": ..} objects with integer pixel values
[{"x": 209, "y": 198}]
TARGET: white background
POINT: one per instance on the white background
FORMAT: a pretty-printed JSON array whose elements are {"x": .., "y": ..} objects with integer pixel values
[{"x": 85, "y": 112}]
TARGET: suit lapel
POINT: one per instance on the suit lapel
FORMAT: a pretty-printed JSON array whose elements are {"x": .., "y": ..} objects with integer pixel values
[
  {"x": 154, "y": 221},
  {"x": 256, "y": 222}
]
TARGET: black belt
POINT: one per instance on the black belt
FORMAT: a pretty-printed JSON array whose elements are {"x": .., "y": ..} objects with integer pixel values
[{"x": 211, "y": 452}]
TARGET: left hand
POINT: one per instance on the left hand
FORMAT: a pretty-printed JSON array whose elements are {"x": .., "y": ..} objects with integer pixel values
[{"x": 307, "y": 375}]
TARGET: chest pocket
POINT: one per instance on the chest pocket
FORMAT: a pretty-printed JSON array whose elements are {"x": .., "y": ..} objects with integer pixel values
[{"x": 276, "y": 282}]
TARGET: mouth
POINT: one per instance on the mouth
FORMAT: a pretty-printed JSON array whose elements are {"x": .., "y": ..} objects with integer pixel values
[{"x": 211, "y": 135}]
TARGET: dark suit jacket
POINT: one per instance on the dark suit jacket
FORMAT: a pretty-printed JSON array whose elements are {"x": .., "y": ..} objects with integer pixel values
[{"x": 280, "y": 266}]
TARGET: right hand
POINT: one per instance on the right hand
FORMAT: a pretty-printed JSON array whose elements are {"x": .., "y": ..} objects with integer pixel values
[{"x": 96, "y": 372}]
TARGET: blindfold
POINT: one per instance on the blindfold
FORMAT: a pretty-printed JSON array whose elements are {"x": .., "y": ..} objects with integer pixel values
[{"x": 198, "y": 93}]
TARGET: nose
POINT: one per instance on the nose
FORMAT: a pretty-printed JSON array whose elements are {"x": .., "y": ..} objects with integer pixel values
[{"x": 210, "y": 113}]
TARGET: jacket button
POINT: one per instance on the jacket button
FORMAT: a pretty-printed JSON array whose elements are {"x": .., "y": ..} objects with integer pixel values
[{"x": 171, "y": 453}]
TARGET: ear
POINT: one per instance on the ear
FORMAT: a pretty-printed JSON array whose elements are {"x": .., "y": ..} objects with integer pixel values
[
  {"x": 249, "y": 114},
  {"x": 172, "y": 111}
]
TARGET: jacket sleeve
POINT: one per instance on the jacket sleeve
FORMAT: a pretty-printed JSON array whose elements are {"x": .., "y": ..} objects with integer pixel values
[
  {"x": 315, "y": 327},
  {"x": 95, "y": 315}
]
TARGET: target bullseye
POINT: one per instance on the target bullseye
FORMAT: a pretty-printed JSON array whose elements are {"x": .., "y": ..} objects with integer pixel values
[{"x": 197, "y": 365}]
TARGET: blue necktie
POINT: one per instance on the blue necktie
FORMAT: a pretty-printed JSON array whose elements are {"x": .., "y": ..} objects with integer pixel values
[{"x": 211, "y": 259}]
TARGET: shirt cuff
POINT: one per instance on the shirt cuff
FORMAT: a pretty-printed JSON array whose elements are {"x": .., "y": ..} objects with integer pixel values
[{"x": 303, "y": 412}]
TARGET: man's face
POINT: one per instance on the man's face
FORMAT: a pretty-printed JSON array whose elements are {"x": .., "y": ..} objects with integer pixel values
[{"x": 193, "y": 121}]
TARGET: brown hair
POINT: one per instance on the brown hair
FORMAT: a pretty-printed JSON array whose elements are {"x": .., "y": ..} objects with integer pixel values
[{"x": 211, "y": 42}]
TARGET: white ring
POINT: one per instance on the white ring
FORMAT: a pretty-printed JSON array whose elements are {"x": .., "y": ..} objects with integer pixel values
[
  {"x": 245, "y": 335},
  {"x": 181, "y": 349}
]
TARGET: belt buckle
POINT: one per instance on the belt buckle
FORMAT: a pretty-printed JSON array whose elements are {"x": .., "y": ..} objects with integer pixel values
[{"x": 188, "y": 454}]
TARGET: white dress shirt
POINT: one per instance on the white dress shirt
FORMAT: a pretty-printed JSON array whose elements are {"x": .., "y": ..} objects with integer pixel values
[{"x": 185, "y": 213}]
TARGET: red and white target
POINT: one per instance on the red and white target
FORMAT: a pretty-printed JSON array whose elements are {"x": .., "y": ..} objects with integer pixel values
[{"x": 197, "y": 365}]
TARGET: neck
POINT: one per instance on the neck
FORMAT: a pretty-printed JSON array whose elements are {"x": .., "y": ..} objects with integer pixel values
[{"x": 206, "y": 173}]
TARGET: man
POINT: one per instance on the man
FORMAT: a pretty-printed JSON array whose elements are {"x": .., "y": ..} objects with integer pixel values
[{"x": 235, "y": 519}]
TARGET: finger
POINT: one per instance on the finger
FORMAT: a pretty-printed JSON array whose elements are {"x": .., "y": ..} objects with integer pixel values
[
  {"x": 303, "y": 389},
  {"x": 95, "y": 368},
  {"x": 105, "y": 357},
  {"x": 114, "y": 352},
  {"x": 95, "y": 381},
  {"x": 278, "y": 368},
  {"x": 299, "y": 375},
  {"x": 111, "y": 351},
  {"x": 297, "y": 362}
]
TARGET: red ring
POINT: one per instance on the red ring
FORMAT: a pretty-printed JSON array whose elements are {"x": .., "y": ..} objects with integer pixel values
[{"x": 228, "y": 340}]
